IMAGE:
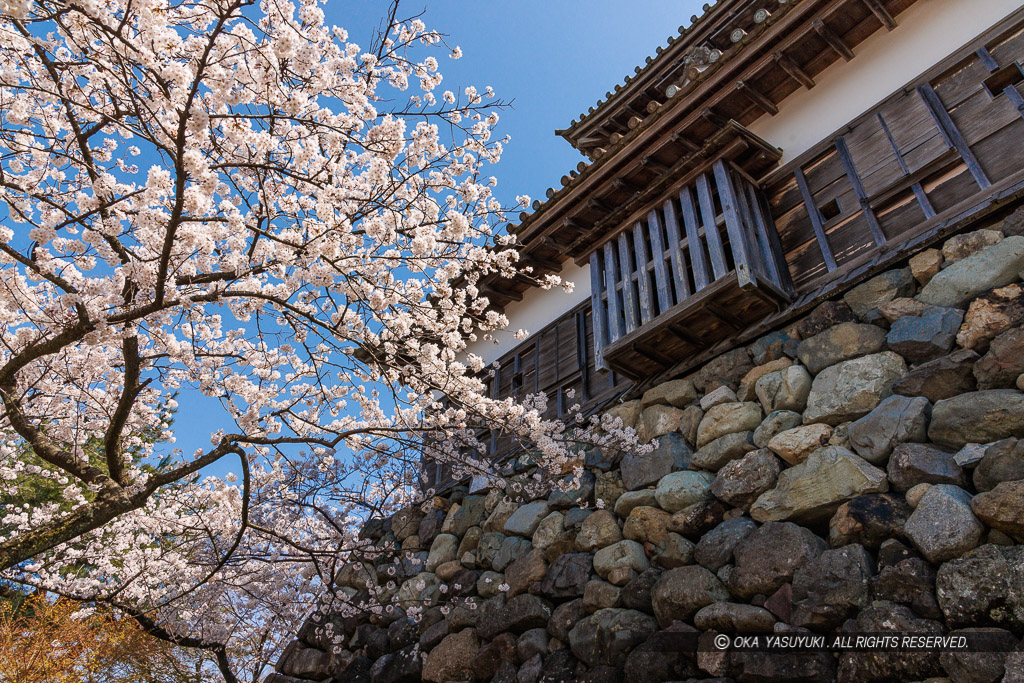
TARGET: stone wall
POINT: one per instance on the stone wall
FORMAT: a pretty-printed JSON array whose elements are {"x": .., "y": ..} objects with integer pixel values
[{"x": 859, "y": 470}]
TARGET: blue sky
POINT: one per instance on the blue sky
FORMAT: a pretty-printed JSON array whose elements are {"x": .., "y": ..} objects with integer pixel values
[{"x": 554, "y": 59}]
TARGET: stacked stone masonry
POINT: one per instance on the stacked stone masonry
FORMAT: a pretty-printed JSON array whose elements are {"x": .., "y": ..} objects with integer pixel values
[{"x": 861, "y": 470}]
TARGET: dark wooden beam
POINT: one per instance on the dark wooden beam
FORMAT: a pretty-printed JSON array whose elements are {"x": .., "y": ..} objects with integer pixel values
[
  {"x": 858, "y": 190},
  {"x": 816, "y": 222},
  {"x": 757, "y": 98},
  {"x": 793, "y": 70},
  {"x": 649, "y": 163},
  {"x": 682, "y": 140},
  {"x": 713, "y": 117},
  {"x": 881, "y": 14},
  {"x": 919, "y": 193},
  {"x": 952, "y": 134},
  {"x": 491, "y": 291},
  {"x": 833, "y": 40}
]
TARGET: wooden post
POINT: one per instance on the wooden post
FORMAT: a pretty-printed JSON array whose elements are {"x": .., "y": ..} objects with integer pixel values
[
  {"x": 611, "y": 280},
  {"x": 679, "y": 278},
  {"x": 661, "y": 277},
  {"x": 707, "y": 212},
  {"x": 858, "y": 190},
  {"x": 833, "y": 40},
  {"x": 629, "y": 307},
  {"x": 741, "y": 253},
  {"x": 816, "y": 222},
  {"x": 701, "y": 276},
  {"x": 642, "y": 279}
]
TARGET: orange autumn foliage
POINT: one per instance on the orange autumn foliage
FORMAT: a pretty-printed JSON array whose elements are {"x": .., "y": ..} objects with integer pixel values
[{"x": 50, "y": 641}]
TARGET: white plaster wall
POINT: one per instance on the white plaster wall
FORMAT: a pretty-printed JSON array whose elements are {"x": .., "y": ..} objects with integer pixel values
[
  {"x": 538, "y": 308},
  {"x": 885, "y": 62}
]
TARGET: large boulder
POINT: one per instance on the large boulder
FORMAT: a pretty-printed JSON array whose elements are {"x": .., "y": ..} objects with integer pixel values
[
  {"x": 869, "y": 520},
  {"x": 747, "y": 389},
  {"x": 994, "y": 266},
  {"x": 1004, "y": 362},
  {"x": 640, "y": 470},
  {"x": 579, "y": 491},
  {"x": 832, "y": 587},
  {"x": 677, "y": 392},
  {"x": 825, "y": 315},
  {"x": 812, "y": 491},
  {"x": 678, "y": 490},
  {"x": 984, "y": 587},
  {"x": 888, "y": 664},
  {"x": 646, "y": 525},
  {"x": 777, "y": 421},
  {"x": 567, "y": 576},
  {"x": 767, "y": 558},
  {"x": 895, "y": 420},
  {"x": 1003, "y": 461},
  {"x": 598, "y": 530},
  {"x": 728, "y": 418},
  {"x": 740, "y": 482},
  {"x": 853, "y": 388},
  {"x": 526, "y": 570},
  {"x": 942, "y": 525},
  {"x": 1002, "y": 508},
  {"x": 865, "y": 298},
  {"x": 959, "y": 247},
  {"x": 983, "y": 667},
  {"x": 682, "y": 591},
  {"x": 731, "y": 617},
  {"x": 715, "y": 548},
  {"x": 839, "y": 343},
  {"x": 727, "y": 368},
  {"x": 616, "y": 562},
  {"x": 608, "y": 635},
  {"x": 940, "y": 378},
  {"x": 716, "y": 454},
  {"x": 527, "y": 518},
  {"x": 658, "y": 420},
  {"x": 453, "y": 659},
  {"x": 442, "y": 550},
  {"x": 784, "y": 389},
  {"x": 926, "y": 337},
  {"x": 925, "y": 265},
  {"x": 794, "y": 445},
  {"x": 990, "y": 315},
  {"x": 917, "y": 463},
  {"x": 977, "y": 417}
]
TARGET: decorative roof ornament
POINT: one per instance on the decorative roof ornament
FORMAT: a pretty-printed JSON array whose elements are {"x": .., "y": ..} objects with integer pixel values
[{"x": 697, "y": 60}]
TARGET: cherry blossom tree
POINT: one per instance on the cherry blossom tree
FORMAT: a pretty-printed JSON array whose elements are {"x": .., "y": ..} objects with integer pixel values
[{"x": 234, "y": 198}]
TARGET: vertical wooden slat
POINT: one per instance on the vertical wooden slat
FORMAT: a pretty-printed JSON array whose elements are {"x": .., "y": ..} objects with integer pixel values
[
  {"x": 922, "y": 197},
  {"x": 785, "y": 280},
  {"x": 679, "y": 278},
  {"x": 581, "y": 354},
  {"x": 858, "y": 190},
  {"x": 598, "y": 308},
  {"x": 642, "y": 277},
  {"x": 611, "y": 279},
  {"x": 661, "y": 278},
  {"x": 952, "y": 134},
  {"x": 987, "y": 60},
  {"x": 758, "y": 251},
  {"x": 816, "y": 222},
  {"x": 629, "y": 306},
  {"x": 698, "y": 259},
  {"x": 761, "y": 227},
  {"x": 707, "y": 212},
  {"x": 741, "y": 252}
]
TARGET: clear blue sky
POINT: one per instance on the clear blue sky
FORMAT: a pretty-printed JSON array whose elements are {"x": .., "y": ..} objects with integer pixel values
[{"x": 553, "y": 58}]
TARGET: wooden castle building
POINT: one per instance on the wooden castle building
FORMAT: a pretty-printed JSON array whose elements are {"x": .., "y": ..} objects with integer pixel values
[{"x": 772, "y": 155}]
